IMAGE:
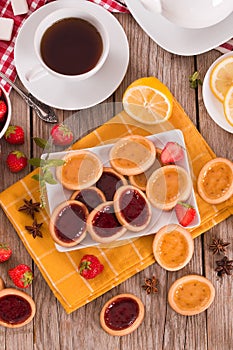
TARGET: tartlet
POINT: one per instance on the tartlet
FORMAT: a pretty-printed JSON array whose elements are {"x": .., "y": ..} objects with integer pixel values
[
  {"x": 103, "y": 224},
  {"x": 191, "y": 295},
  {"x": 140, "y": 180},
  {"x": 132, "y": 155},
  {"x": 16, "y": 308},
  {"x": 2, "y": 284},
  {"x": 173, "y": 247},
  {"x": 109, "y": 182},
  {"x": 90, "y": 196},
  {"x": 215, "y": 181},
  {"x": 81, "y": 170},
  {"x": 167, "y": 186},
  {"x": 68, "y": 223},
  {"x": 132, "y": 208},
  {"x": 122, "y": 314}
]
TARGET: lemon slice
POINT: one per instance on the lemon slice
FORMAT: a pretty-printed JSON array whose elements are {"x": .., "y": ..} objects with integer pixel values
[
  {"x": 228, "y": 105},
  {"x": 148, "y": 101},
  {"x": 221, "y": 77}
]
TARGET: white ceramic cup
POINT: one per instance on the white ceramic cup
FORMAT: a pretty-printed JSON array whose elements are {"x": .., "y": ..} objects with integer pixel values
[
  {"x": 42, "y": 69},
  {"x": 191, "y": 13},
  {"x": 8, "y": 118}
]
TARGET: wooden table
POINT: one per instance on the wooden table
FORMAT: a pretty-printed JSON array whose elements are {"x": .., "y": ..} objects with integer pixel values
[{"x": 162, "y": 328}]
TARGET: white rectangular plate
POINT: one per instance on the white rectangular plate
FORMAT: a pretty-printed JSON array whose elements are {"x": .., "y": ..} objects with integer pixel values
[{"x": 57, "y": 194}]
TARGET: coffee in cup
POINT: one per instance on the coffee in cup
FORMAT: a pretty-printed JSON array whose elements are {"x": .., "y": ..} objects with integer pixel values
[{"x": 70, "y": 44}]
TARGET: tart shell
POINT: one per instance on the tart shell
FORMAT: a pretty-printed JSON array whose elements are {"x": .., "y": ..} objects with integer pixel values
[
  {"x": 2, "y": 284},
  {"x": 54, "y": 216},
  {"x": 179, "y": 283},
  {"x": 133, "y": 326},
  {"x": 166, "y": 233},
  {"x": 127, "y": 160},
  {"x": 81, "y": 170},
  {"x": 12, "y": 291},
  {"x": 216, "y": 181}
]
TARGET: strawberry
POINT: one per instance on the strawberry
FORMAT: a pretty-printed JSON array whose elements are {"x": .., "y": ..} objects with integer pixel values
[
  {"x": 90, "y": 266},
  {"x": 61, "y": 135},
  {"x": 14, "y": 135},
  {"x": 16, "y": 161},
  {"x": 21, "y": 275},
  {"x": 3, "y": 110},
  {"x": 185, "y": 213},
  {"x": 5, "y": 252},
  {"x": 171, "y": 153}
]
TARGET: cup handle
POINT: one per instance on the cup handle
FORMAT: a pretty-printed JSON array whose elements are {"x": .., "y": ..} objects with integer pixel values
[
  {"x": 35, "y": 73},
  {"x": 152, "y": 5}
]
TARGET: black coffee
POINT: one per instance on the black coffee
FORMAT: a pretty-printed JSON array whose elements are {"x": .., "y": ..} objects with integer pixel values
[{"x": 71, "y": 46}]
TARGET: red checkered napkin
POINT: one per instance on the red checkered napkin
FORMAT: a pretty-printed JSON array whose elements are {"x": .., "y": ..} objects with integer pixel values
[
  {"x": 7, "y": 47},
  {"x": 224, "y": 48}
]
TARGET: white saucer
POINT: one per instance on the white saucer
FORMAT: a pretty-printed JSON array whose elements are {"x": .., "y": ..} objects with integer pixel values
[
  {"x": 73, "y": 95},
  {"x": 178, "y": 40},
  {"x": 213, "y": 105}
]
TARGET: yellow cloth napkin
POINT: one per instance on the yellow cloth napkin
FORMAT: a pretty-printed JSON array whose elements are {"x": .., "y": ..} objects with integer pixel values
[{"x": 60, "y": 270}]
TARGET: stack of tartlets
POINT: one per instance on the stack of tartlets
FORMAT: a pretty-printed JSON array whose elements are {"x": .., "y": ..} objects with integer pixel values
[{"x": 107, "y": 201}]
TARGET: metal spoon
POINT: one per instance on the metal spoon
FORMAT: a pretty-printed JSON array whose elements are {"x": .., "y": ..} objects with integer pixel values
[{"x": 44, "y": 112}]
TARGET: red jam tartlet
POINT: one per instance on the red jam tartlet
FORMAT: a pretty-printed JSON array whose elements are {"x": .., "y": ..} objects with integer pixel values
[
  {"x": 68, "y": 223},
  {"x": 215, "y": 181},
  {"x": 109, "y": 182},
  {"x": 103, "y": 224},
  {"x": 122, "y": 314},
  {"x": 81, "y": 170},
  {"x": 167, "y": 186},
  {"x": 132, "y": 208},
  {"x": 16, "y": 308},
  {"x": 90, "y": 196},
  {"x": 132, "y": 155},
  {"x": 191, "y": 295},
  {"x": 173, "y": 247}
]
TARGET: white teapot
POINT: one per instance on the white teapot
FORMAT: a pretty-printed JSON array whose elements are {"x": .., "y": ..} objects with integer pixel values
[{"x": 191, "y": 13}]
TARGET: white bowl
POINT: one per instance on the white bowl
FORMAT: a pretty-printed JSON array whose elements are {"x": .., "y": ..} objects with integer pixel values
[{"x": 8, "y": 119}]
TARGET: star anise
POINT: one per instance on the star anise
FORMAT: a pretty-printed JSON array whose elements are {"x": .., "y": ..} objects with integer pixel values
[
  {"x": 30, "y": 208},
  {"x": 224, "y": 266},
  {"x": 218, "y": 246},
  {"x": 34, "y": 230},
  {"x": 151, "y": 285}
]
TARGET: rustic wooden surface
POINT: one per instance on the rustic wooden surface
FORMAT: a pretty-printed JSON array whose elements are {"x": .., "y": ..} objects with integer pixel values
[{"x": 162, "y": 328}]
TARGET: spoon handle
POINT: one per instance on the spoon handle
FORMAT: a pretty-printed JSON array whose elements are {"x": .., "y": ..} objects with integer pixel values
[{"x": 44, "y": 112}]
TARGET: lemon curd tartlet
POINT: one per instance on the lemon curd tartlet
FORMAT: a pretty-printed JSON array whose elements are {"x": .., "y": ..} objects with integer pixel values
[
  {"x": 173, "y": 247},
  {"x": 191, "y": 295},
  {"x": 122, "y": 314},
  {"x": 215, "y": 181},
  {"x": 81, "y": 170},
  {"x": 132, "y": 155},
  {"x": 167, "y": 186}
]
